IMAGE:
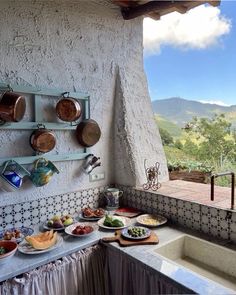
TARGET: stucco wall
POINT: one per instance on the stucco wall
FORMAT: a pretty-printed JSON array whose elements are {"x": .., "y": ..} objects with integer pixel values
[{"x": 81, "y": 46}]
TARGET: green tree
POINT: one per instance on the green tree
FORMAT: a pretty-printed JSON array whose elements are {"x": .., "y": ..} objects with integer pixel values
[
  {"x": 178, "y": 144},
  {"x": 166, "y": 138},
  {"x": 215, "y": 143},
  {"x": 190, "y": 148}
]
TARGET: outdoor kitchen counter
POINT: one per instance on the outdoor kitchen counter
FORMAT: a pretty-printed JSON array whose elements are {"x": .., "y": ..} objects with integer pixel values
[{"x": 21, "y": 263}]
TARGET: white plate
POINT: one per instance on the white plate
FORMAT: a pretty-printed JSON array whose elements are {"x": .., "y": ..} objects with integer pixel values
[
  {"x": 45, "y": 226},
  {"x": 88, "y": 218},
  {"x": 125, "y": 220},
  {"x": 25, "y": 247},
  {"x": 125, "y": 233},
  {"x": 159, "y": 220},
  {"x": 70, "y": 228}
]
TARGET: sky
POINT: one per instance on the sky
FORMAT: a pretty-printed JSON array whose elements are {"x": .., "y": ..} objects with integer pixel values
[{"x": 193, "y": 55}]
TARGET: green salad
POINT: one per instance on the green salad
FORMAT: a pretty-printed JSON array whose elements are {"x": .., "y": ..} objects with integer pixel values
[
  {"x": 112, "y": 222},
  {"x": 2, "y": 250}
]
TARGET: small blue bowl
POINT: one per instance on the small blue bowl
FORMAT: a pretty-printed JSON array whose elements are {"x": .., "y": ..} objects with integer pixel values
[{"x": 25, "y": 231}]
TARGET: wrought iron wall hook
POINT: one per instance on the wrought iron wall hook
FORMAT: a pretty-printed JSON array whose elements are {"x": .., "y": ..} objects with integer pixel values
[{"x": 152, "y": 176}]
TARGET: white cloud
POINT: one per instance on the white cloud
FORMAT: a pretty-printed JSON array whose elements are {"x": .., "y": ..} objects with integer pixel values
[
  {"x": 199, "y": 28},
  {"x": 218, "y": 102}
]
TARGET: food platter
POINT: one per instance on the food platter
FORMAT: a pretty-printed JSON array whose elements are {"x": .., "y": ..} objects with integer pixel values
[
  {"x": 90, "y": 214},
  {"x": 69, "y": 230},
  {"x": 125, "y": 233},
  {"x": 151, "y": 220},
  {"x": 26, "y": 248},
  {"x": 24, "y": 231},
  {"x": 88, "y": 218},
  {"x": 125, "y": 220}
]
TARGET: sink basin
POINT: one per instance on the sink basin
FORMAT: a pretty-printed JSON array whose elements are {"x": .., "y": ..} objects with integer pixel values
[{"x": 212, "y": 261}]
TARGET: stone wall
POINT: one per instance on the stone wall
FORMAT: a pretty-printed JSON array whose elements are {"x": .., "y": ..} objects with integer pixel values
[{"x": 81, "y": 46}]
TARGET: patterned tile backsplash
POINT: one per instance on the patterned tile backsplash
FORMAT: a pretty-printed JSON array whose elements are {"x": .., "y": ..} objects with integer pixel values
[
  {"x": 38, "y": 211},
  {"x": 215, "y": 222}
]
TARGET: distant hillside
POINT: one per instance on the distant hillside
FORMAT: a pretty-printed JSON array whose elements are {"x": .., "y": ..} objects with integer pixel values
[
  {"x": 171, "y": 127},
  {"x": 180, "y": 111}
]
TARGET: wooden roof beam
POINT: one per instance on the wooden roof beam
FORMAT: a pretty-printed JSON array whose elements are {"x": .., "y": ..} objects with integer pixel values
[
  {"x": 160, "y": 6},
  {"x": 214, "y": 3},
  {"x": 154, "y": 15},
  {"x": 181, "y": 9}
]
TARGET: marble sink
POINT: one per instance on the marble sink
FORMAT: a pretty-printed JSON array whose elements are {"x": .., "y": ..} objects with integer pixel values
[{"x": 212, "y": 261}]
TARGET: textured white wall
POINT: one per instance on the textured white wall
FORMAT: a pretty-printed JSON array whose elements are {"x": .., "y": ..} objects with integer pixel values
[{"x": 81, "y": 46}]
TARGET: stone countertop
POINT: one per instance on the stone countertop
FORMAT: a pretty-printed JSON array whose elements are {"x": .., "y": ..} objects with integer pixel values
[{"x": 21, "y": 263}]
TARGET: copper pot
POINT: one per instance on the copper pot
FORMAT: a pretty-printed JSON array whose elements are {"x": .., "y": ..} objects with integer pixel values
[
  {"x": 42, "y": 140},
  {"x": 12, "y": 107},
  {"x": 88, "y": 132},
  {"x": 68, "y": 109}
]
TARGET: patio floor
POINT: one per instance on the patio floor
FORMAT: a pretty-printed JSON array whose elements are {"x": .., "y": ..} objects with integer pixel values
[{"x": 197, "y": 192}]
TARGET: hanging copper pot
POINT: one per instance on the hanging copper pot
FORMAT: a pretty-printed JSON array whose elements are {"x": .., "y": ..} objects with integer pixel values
[
  {"x": 88, "y": 132},
  {"x": 12, "y": 107},
  {"x": 42, "y": 140},
  {"x": 68, "y": 109}
]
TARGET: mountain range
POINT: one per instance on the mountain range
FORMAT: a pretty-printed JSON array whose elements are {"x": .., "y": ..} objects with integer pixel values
[{"x": 178, "y": 111}]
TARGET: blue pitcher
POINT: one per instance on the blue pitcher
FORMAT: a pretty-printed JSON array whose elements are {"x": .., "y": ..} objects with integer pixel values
[
  {"x": 12, "y": 175},
  {"x": 43, "y": 172}
]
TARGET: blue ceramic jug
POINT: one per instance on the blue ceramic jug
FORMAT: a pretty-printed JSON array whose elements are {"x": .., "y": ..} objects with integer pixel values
[
  {"x": 12, "y": 176},
  {"x": 43, "y": 172}
]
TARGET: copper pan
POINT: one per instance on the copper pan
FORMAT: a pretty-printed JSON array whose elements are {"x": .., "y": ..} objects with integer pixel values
[
  {"x": 68, "y": 109},
  {"x": 88, "y": 132},
  {"x": 42, "y": 140},
  {"x": 12, "y": 107}
]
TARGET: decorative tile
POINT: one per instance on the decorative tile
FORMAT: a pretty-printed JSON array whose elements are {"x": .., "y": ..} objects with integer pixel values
[{"x": 210, "y": 220}]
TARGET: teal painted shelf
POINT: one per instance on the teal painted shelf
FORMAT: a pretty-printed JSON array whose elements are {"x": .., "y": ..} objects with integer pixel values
[{"x": 37, "y": 94}]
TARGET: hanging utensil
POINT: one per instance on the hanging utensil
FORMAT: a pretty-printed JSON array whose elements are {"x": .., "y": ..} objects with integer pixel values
[
  {"x": 42, "y": 140},
  {"x": 43, "y": 172},
  {"x": 12, "y": 106},
  {"x": 11, "y": 176},
  {"x": 68, "y": 108},
  {"x": 88, "y": 132}
]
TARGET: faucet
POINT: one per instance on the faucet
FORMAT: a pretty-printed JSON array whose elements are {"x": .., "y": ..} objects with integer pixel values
[{"x": 232, "y": 185}]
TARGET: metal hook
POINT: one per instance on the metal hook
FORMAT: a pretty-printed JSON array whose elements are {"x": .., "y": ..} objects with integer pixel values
[
  {"x": 64, "y": 93},
  {"x": 9, "y": 87},
  {"x": 40, "y": 126},
  {"x": 2, "y": 122}
]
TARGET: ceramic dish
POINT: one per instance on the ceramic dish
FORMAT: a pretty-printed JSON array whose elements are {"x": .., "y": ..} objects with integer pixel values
[
  {"x": 151, "y": 220},
  {"x": 45, "y": 226},
  {"x": 70, "y": 228},
  {"x": 127, "y": 212},
  {"x": 24, "y": 231},
  {"x": 91, "y": 214},
  {"x": 26, "y": 248},
  {"x": 88, "y": 218},
  {"x": 125, "y": 233},
  {"x": 125, "y": 220},
  {"x": 10, "y": 247}
]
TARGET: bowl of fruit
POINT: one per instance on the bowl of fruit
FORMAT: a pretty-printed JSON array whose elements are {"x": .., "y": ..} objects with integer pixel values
[
  {"x": 58, "y": 222},
  {"x": 7, "y": 250}
]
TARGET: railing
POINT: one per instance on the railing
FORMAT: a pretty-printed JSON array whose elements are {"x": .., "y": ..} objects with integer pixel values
[{"x": 232, "y": 185}]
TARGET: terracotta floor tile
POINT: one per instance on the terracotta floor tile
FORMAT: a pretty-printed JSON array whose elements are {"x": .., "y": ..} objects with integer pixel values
[{"x": 198, "y": 192}]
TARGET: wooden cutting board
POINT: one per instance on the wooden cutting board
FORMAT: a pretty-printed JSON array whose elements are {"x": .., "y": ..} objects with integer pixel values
[{"x": 153, "y": 239}]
